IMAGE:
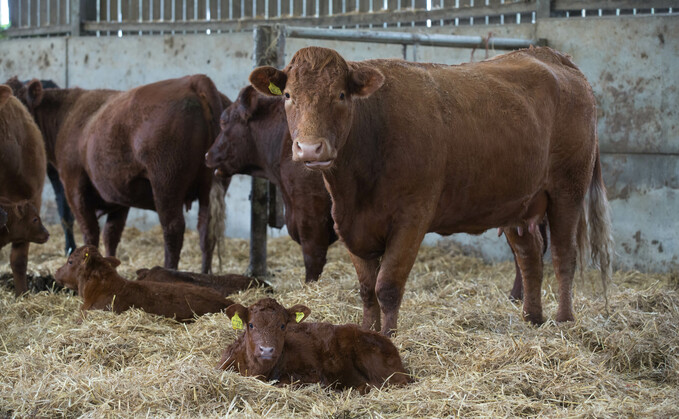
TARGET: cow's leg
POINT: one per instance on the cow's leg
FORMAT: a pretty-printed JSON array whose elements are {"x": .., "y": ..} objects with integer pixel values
[
  {"x": 527, "y": 249},
  {"x": 208, "y": 241},
  {"x": 18, "y": 261},
  {"x": 517, "y": 290},
  {"x": 65, "y": 214},
  {"x": 563, "y": 222},
  {"x": 113, "y": 229},
  {"x": 367, "y": 270},
  {"x": 172, "y": 220},
  {"x": 81, "y": 197},
  {"x": 397, "y": 262}
]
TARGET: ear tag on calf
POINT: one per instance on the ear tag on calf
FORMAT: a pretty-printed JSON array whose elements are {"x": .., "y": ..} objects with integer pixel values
[
  {"x": 236, "y": 322},
  {"x": 274, "y": 89},
  {"x": 299, "y": 316},
  {"x": 87, "y": 256}
]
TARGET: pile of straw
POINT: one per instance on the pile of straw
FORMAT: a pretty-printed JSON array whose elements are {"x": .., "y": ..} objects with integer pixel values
[{"x": 459, "y": 335}]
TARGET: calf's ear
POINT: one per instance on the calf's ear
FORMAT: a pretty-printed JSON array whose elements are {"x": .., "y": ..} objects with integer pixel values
[
  {"x": 113, "y": 261},
  {"x": 298, "y": 313},
  {"x": 268, "y": 80},
  {"x": 364, "y": 80},
  {"x": 34, "y": 94},
  {"x": 5, "y": 93},
  {"x": 238, "y": 315}
]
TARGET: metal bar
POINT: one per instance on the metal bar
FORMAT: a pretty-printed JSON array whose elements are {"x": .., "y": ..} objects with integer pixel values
[
  {"x": 610, "y": 4},
  {"x": 13, "y": 32},
  {"x": 75, "y": 17},
  {"x": 405, "y": 38}
]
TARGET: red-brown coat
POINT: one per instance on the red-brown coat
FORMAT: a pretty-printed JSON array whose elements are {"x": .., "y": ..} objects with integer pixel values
[
  {"x": 142, "y": 148},
  {"x": 406, "y": 148},
  {"x": 276, "y": 346},
  {"x": 100, "y": 287},
  {"x": 255, "y": 140},
  {"x": 23, "y": 226},
  {"x": 22, "y": 171},
  {"x": 223, "y": 284}
]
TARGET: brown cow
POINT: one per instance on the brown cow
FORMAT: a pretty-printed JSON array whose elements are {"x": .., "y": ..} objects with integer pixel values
[
  {"x": 22, "y": 171},
  {"x": 100, "y": 287},
  {"x": 142, "y": 148},
  {"x": 223, "y": 284},
  {"x": 23, "y": 226},
  {"x": 276, "y": 346},
  {"x": 255, "y": 140},
  {"x": 406, "y": 148}
]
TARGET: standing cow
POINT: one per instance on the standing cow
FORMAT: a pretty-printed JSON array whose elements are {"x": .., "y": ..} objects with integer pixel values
[
  {"x": 255, "y": 140},
  {"x": 406, "y": 148},
  {"x": 65, "y": 214},
  {"x": 142, "y": 148},
  {"x": 22, "y": 172}
]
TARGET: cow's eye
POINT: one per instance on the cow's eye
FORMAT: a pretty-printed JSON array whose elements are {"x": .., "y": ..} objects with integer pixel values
[
  {"x": 283, "y": 327},
  {"x": 342, "y": 96},
  {"x": 70, "y": 262},
  {"x": 287, "y": 95},
  {"x": 250, "y": 325}
]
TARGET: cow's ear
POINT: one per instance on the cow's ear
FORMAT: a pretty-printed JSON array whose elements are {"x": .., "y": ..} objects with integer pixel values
[
  {"x": 268, "y": 80},
  {"x": 113, "y": 261},
  {"x": 34, "y": 94},
  {"x": 248, "y": 100},
  {"x": 364, "y": 80},
  {"x": 238, "y": 315},
  {"x": 298, "y": 313},
  {"x": 5, "y": 93}
]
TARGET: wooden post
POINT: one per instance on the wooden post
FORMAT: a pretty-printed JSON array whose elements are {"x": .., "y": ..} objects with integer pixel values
[{"x": 269, "y": 50}]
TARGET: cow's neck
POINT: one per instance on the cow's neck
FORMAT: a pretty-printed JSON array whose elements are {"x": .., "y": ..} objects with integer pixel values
[
  {"x": 108, "y": 284},
  {"x": 51, "y": 114}
]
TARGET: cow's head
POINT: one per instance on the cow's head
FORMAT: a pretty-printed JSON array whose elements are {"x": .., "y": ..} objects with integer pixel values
[
  {"x": 30, "y": 93},
  {"x": 265, "y": 324},
  {"x": 82, "y": 266},
  {"x": 24, "y": 224},
  {"x": 234, "y": 148},
  {"x": 320, "y": 90}
]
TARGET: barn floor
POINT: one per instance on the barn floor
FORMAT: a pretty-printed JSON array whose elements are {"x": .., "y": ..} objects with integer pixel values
[{"x": 459, "y": 336}]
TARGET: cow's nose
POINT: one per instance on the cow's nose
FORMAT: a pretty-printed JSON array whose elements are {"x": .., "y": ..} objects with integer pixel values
[
  {"x": 266, "y": 350},
  {"x": 309, "y": 152}
]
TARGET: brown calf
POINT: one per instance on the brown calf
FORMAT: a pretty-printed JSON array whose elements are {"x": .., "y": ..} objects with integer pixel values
[
  {"x": 407, "y": 148},
  {"x": 142, "y": 148},
  {"x": 22, "y": 172},
  {"x": 276, "y": 346},
  {"x": 255, "y": 140},
  {"x": 223, "y": 284},
  {"x": 100, "y": 287},
  {"x": 23, "y": 226}
]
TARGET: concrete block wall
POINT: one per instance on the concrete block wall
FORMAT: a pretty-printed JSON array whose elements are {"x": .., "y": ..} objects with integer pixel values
[{"x": 629, "y": 61}]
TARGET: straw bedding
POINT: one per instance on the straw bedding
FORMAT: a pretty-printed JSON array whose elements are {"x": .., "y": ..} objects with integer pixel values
[{"x": 459, "y": 335}]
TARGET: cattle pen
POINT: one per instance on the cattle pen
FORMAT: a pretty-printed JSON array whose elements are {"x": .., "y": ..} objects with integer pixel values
[{"x": 460, "y": 336}]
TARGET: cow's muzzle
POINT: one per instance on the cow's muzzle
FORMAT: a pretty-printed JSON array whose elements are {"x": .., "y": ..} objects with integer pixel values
[{"x": 315, "y": 152}]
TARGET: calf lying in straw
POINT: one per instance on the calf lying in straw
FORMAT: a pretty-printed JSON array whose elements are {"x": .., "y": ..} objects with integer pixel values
[
  {"x": 223, "y": 284},
  {"x": 99, "y": 285},
  {"x": 276, "y": 346}
]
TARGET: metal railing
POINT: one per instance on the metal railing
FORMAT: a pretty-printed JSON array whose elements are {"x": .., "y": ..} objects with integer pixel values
[{"x": 139, "y": 17}]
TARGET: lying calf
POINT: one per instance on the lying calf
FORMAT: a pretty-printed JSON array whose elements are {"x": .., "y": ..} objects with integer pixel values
[
  {"x": 23, "y": 225},
  {"x": 99, "y": 285},
  {"x": 223, "y": 284},
  {"x": 276, "y": 346}
]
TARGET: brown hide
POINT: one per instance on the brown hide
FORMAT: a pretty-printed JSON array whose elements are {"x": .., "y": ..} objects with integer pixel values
[
  {"x": 255, "y": 140},
  {"x": 142, "y": 148},
  {"x": 408, "y": 148},
  {"x": 100, "y": 287},
  {"x": 22, "y": 171},
  {"x": 276, "y": 346},
  {"x": 23, "y": 226},
  {"x": 225, "y": 285}
]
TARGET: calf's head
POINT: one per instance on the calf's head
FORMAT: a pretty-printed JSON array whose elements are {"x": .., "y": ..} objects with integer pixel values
[
  {"x": 320, "y": 90},
  {"x": 24, "y": 224},
  {"x": 83, "y": 265},
  {"x": 265, "y": 324}
]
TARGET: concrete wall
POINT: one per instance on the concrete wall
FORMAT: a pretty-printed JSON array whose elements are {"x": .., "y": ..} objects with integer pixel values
[{"x": 630, "y": 62}]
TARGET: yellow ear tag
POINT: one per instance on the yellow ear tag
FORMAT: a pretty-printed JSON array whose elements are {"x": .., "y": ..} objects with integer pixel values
[
  {"x": 236, "y": 322},
  {"x": 274, "y": 89},
  {"x": 87, "y": 256},
  {"x": 299, "y": 316}
]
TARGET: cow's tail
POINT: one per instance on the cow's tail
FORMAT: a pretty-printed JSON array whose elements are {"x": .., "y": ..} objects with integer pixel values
[
  {"x": 599, "y": 239},
  {"x": 211, "y": 101}
]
